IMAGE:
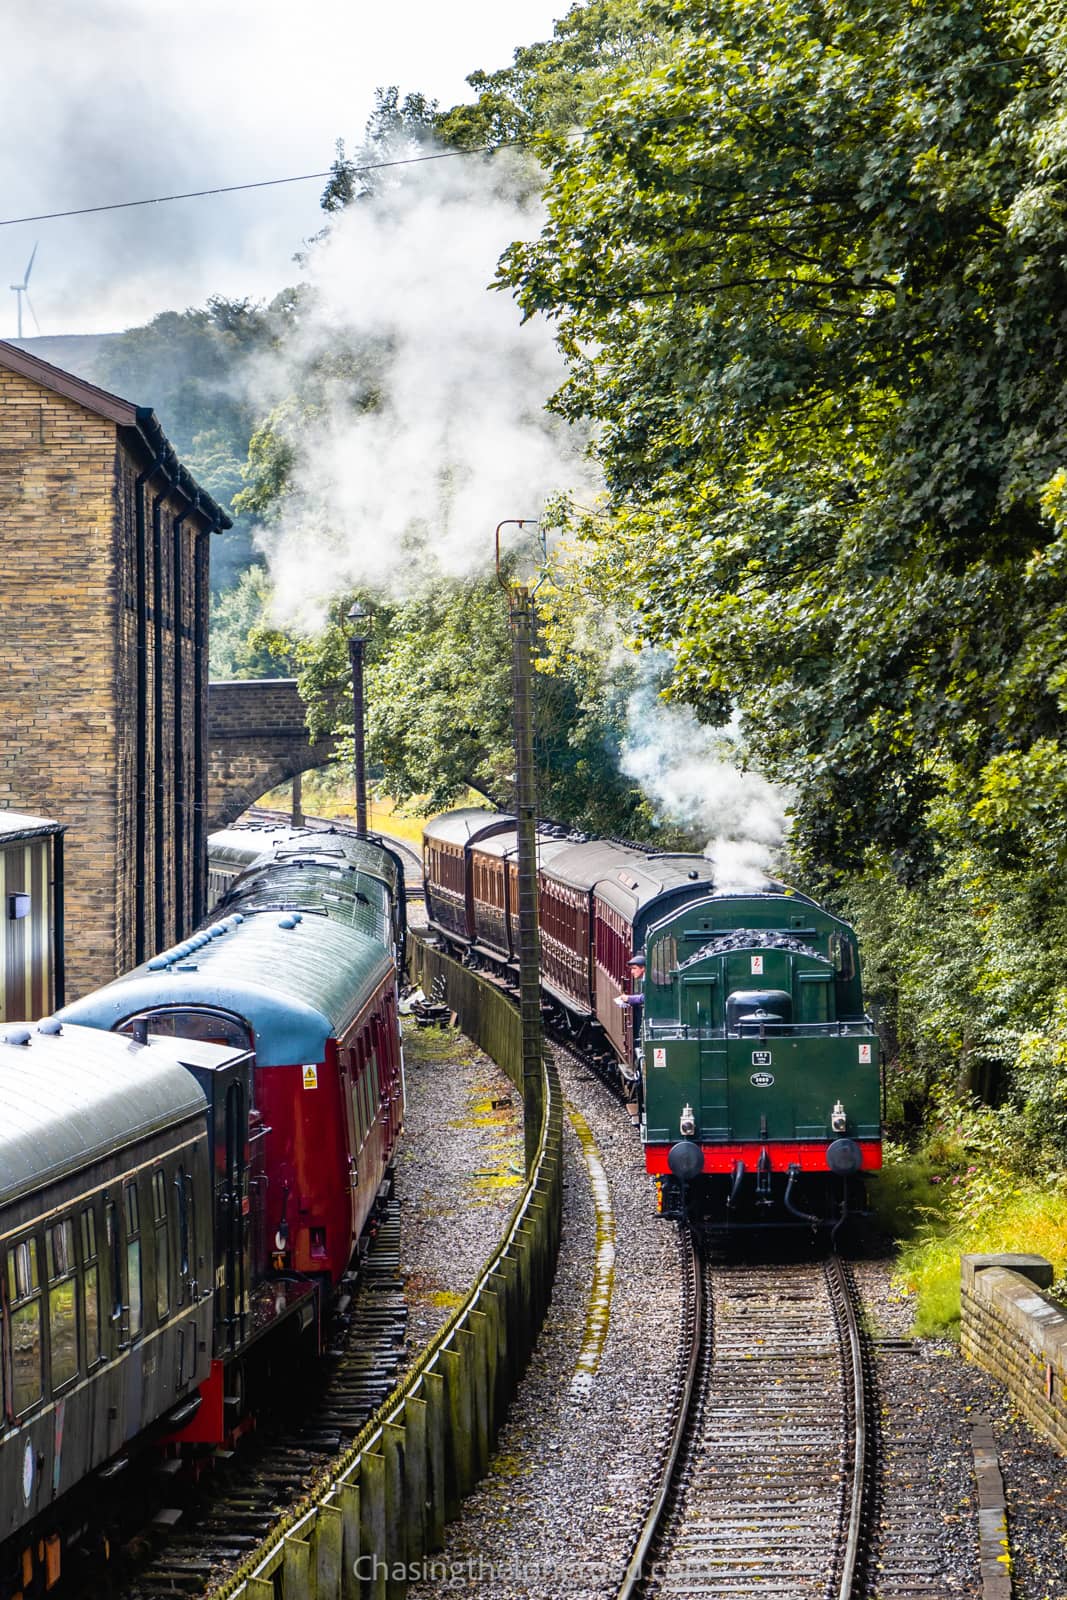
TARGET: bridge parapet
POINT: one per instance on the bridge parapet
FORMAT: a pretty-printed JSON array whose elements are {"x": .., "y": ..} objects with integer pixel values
[{"x": 257, "y": 738}]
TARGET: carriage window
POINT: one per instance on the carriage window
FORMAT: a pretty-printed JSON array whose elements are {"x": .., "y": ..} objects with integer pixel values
[
  {"x": 24, "y": 1298},
  {"x": 159, "y": 1207},
  {"x": 209, "y": 1027},
  {"x": 133, "y": 1259},
  {"x": 664, "y": 960},
  {"x": 90, "y": 1289},
  {"x": 183, "y": 1224},
  {"x": 62, "y": 1308}
]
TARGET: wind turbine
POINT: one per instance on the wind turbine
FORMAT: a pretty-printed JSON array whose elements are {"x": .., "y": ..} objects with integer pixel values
[{"x": 22, "y": 288}]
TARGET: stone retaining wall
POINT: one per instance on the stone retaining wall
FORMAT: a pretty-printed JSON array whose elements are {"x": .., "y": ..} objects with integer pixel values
[{"x": 1018, "y": 1335}]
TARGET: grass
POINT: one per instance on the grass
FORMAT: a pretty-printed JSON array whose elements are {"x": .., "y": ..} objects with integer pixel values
[
  {"x": 327, "y": 792},
  {"x": 968, "y": 1189}
]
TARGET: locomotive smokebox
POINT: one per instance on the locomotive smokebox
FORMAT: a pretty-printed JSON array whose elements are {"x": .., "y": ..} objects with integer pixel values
[{"x": 686, "y": 1160}]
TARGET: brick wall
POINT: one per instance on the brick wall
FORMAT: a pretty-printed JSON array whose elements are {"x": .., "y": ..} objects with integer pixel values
[
  {"x": 58, "y": 703},
  {"x": 258, "y": 739},
  {"x": 245, "y": 707},
  {"x": 1018, "y": 1335},
  {"x": 101, "y": 671}
]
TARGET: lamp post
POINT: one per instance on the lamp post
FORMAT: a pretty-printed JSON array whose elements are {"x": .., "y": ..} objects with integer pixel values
[{"x": 359, "y": 622}]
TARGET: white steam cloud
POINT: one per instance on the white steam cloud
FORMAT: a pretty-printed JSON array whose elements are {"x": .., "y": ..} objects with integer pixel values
[
  {"x": 454, "y": 438},
  {"x": 689, "y": 774}
]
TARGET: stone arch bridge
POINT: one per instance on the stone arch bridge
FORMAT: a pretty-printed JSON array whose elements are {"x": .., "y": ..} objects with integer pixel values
[{"x": 257, "y": 737}]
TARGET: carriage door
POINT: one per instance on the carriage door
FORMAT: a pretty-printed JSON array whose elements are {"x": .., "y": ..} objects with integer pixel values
[
  {"x": 234, "y": 1206},
  {"x": 702, "y": 1015}
]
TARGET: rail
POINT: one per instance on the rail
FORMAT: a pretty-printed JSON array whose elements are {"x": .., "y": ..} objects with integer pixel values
[
  {"x": 680, "y": 1534},
  {"x": 841, "y": 1289},
  {"x": 694, "y": 1321},
  {"x": 367, "y": 1529}
]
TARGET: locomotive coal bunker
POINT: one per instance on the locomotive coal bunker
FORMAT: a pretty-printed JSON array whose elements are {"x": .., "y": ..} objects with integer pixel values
[{"x": 760, "y": 1069}]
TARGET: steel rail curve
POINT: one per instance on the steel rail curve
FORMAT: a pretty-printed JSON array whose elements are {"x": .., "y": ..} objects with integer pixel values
[
  {"x": 694, "y": 1315},
  {"x": 668, "y": 1516},
  {"x": 844, "y": 1298}
]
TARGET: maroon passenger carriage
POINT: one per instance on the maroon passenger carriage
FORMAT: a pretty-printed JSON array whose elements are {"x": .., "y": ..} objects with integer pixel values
[
  {"x": 596, "y": 899},
  {"x": 300, "y": 968}
]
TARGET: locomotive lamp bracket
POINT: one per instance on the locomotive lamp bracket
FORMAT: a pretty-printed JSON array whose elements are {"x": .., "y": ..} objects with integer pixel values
[
  {"x": 838, "y": 1119},
  {"x": 687, "y": 1123}
]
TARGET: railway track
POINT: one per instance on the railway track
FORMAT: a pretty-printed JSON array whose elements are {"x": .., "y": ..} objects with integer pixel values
[{"x": 766, "y": 1486}]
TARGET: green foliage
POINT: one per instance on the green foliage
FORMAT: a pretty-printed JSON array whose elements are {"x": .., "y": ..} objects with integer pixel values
[
  {"x": 548, "y": 88},
  {"x": 393, "y": 124},
  {"x": 809, "y": 272},
  {"x": 438, "y": 694},
  {"x": 243, "y": 642},
  {"x": 190, "y": 367},
  {"x": 985, "y": 1192}
]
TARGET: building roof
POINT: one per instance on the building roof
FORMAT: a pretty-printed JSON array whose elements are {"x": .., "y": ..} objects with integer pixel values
[
  {"x": 16, "y": 825},
  {"x": 138, "y": 424}
]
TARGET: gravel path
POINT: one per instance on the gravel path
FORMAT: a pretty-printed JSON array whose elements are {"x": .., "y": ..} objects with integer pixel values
[
  {"x": 561, "y": 1506},
  {"x": 930, "y": 1399},
  {"x": 458, "y": 1175}
]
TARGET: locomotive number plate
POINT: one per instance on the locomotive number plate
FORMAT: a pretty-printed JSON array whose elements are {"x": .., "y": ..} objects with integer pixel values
[
  {"x": 762, "y": 1080},
  {"x": 761, "y": 1058}
]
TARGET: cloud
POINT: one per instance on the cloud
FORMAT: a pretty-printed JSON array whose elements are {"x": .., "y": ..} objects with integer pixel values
[{"x": 125, "y": 99}]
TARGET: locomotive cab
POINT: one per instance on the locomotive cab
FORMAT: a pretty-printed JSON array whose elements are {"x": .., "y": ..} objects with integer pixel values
[{"x": 757, "y": 1008}]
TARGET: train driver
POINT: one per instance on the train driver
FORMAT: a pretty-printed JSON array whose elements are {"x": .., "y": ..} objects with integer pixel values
[{"x": 636, "y": 965}]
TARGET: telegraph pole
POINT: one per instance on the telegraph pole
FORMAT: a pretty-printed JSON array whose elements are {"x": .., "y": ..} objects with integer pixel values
[
  {"x": 521, "y": 621},
  {"x": 359, "y": 627}
]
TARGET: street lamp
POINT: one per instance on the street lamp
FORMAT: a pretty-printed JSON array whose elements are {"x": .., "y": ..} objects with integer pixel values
[{"x": 359, "y": 622}]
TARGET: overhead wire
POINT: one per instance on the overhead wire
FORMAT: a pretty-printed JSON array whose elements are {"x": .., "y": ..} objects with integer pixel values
[{"x": 264, "y": 183}]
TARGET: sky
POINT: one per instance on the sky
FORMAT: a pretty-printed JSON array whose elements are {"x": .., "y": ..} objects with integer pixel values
[{"x": 111, "y": 100}]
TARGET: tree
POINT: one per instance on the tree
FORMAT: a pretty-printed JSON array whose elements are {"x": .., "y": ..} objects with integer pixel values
[
  {"x": 809, "y": 273},
  {"x": 545, "y": 93},
  {"x": 244, "y": 642},
  {"x": 438, "y": 685}
]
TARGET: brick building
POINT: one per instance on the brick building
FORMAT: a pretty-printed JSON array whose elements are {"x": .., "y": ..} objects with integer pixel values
[{"x": 103, "y": 658}]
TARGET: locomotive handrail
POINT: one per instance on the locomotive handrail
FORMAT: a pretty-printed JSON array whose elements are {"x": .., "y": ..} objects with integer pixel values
[
  {"x": 666, "y": 1028},
  {"x": 464, "y": 1376}
]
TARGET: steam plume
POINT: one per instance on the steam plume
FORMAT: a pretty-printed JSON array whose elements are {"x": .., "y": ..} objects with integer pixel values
[
  {"x": 691, "y": 776},
  {"x": 453, "y": 436}
]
